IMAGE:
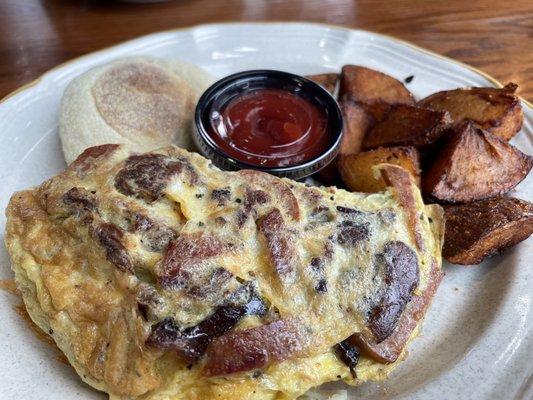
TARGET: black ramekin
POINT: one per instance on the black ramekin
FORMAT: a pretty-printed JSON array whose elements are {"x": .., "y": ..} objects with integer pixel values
[{"x": 223, "y": 91}]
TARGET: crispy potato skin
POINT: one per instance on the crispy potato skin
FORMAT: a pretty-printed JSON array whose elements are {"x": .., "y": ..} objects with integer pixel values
[
  {"x": 496, "y": 110},
  {"x": 365, "y": 97},
  {"x": 357, "y": 169},
  {"x": 374, "y": 91},
  {"x": 484, "y": 228},
  {"x": 370, "y": 86},
  {"x": 327, "y": 81},
  {"x": 357, "y": 123},
  {"x": 407, "y": 125},
  {"x": 474, "y": 165}
]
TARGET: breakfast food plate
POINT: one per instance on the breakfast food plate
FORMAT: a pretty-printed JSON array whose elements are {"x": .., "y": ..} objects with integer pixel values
[{"x": 476, "y": 340}]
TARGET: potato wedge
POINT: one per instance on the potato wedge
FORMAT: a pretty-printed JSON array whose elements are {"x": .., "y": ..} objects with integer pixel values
[
  {"x": 484, "y": 228},
  {"x": 327, "y": 81},
  {"x": 474, "y": 165},
  {"x": 373, "y": 90},
  {"x": 368, "y": 86},
  {"x": 407, "y": 125},
  {"x": 496, "y": 110},
  {"x": 357, "y": 172},
  {"x": 357, "y": 122}
]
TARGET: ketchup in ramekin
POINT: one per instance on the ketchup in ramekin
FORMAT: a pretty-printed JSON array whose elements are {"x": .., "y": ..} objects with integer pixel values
[{"x": 272, "y": 121}]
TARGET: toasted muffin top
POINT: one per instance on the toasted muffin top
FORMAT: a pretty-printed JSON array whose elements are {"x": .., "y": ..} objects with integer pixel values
[{"x": 142, "y": 102}]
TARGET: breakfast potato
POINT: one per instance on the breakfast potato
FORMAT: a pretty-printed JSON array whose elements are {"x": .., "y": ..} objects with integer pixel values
[
  {"x": 374, "y": 90},
  {"x": 498, "y": 111},
  {"x": 484, "y": 228},
  {"x": 407, "y": 125},
  {"x": 327, "y": 81},
  {"x": 368, "y": 85},
  {"x": 474, "y": 165},
  {"x": 357, "y": 170},
  {"x": 357, "y": 122}
]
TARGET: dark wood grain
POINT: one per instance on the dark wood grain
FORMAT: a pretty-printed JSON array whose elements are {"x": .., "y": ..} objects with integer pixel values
[{"x": 494, "y": 36}]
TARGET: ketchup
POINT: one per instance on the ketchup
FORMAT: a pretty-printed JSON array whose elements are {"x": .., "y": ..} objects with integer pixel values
[{"x": 271, "y": 128}]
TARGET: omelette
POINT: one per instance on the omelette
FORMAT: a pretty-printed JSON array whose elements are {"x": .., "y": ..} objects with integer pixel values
[{"x": 162, "y": 277}]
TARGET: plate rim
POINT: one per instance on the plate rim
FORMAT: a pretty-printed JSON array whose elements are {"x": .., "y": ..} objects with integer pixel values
[{"x": 485, "y": 75}]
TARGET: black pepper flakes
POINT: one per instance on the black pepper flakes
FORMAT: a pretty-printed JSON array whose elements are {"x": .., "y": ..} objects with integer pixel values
[
  {"x": 316, "y": 263},
  {"x": 409, "y": 79},
  {"x": 221, "y": 195},
  {"x": 321, "y": 286}
]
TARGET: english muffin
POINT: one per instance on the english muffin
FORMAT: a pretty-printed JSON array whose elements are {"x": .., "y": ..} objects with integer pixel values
[{"x": 145, "y": 103}]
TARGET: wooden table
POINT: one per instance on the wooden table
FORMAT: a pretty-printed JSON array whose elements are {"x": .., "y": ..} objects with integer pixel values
[{"x": 494, "y": 36}]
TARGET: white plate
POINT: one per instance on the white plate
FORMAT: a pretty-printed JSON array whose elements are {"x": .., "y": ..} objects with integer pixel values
[{"x": 476, "y": 342}]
